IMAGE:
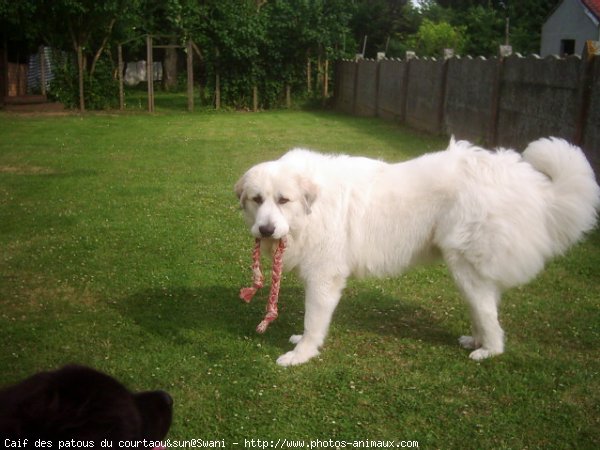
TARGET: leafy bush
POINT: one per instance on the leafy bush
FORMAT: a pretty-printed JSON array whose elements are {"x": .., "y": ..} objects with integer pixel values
[
  {"x": 101, "y": 90},
  {"x": 64, "y": 86}
]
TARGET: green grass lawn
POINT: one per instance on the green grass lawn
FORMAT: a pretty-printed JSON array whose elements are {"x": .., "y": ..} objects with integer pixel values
[{"x": 122, "y": 247}]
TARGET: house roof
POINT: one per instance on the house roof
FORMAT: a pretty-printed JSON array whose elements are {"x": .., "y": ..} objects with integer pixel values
[{"x": 593, "y": 6}]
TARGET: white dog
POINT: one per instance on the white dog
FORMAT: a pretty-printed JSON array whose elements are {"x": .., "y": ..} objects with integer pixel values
[{"x": 494, "y": 217}]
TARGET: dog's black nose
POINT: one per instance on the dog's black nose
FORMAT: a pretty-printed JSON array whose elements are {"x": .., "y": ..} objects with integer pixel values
[{"x": 266, "y": 230}]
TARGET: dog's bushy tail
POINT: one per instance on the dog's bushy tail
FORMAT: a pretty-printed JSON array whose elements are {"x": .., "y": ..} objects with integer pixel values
[{"x": 575, "y": 197}]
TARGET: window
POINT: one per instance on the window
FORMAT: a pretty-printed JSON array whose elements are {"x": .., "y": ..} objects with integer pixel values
[{"x": 567, "y": 47}]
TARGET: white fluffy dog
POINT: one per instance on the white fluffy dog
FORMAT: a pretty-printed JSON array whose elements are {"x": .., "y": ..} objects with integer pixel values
[{"x": 494, "y": 217}]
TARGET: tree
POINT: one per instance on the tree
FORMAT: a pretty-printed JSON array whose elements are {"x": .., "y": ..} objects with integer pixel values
[
  {"x": 432, "y": 38},
  {"x": 267, "y": 44},
  {"x": 485, "y": 22},
  {"x": 231, "y": 34},
  {"x": 378, "y": 21},
  {"x": 526, "y": 20},
  {"x": 85, "y": 25},
  {"x": 173, "y": 20},
  {"x": 483, "y": 30},
  {"x": 18, "y": 24}
]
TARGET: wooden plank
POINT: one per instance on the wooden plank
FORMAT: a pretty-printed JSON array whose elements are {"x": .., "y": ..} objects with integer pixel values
[{"x": 197, "y": 50}]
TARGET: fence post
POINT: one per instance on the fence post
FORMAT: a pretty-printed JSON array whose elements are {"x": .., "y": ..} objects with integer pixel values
[
  {"x": 404, "y": 107},
  {"x": 80, "y": 63},
  {"x": 217, "y": 91},
  {"x": 355, "y": 90},
  {"x": 150, "y": 73},
  {"x": 492, "y": 137},
  {"x": 190, "y": 77},
  {"x": 337, "y": 83},
  {"x": 326, "y": 80},
  {"x": 377, "y": 81},
  {"x": 120, "y": 77},
  {"x": 308, "y": 73},
  {"x": 588, "y": 59},
  {"x": 42, "y": 58},
  {"x": 442, "y": 104}
]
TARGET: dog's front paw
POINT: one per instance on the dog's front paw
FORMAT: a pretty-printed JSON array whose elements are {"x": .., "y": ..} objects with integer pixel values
[
  {"x": 483, "y": 353},
  {"x": 296, "y": 357}
]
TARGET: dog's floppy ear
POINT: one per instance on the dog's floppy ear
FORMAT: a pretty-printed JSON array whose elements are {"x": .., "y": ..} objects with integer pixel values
[
  {"x": 240, "y": 189},
  {"x": 32, "y": 401},
  {"x": 156, "y": 411},
  {"x": 310, "y": 191},
  {"x": 452, "y": 143}
]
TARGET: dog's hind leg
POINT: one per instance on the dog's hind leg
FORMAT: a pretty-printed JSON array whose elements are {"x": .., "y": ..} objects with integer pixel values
[
  {"x": 322, "y": 297},
  {"x": 483, "y": 297}
]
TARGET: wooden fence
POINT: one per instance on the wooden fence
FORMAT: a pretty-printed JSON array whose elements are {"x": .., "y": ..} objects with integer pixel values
[{"x": 495, "y": 102}]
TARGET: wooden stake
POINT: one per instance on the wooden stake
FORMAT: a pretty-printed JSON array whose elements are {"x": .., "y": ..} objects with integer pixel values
[
  {"x": 42, "y": 70},
  {"x": 217, "y": 85},
  {"x": 190, "y": 76},
  {"x": 308, "y": 73},
  {"x": 80, "y": 66},
  {"x": 326, "y": 79},
  {"x": 150, "y": 73},
  {"x": 120, "y": 77},
  {"x": 217, "y": 91}
]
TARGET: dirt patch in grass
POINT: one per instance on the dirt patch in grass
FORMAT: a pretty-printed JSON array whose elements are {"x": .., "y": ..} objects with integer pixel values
[{"x": 27, "y": 170}]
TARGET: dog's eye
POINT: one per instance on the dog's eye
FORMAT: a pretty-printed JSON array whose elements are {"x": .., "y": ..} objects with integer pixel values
[
  {"x": 258, "y": 199},
  {"x": 283, "y": 200}
]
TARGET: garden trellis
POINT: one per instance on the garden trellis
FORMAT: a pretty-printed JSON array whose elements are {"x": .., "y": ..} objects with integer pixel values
[{"x": 190, "y": 48}]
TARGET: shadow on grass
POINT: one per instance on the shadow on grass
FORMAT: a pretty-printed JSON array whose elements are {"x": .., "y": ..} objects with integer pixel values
[
  {"x": 216, "y": 310},
  {"x": 393, "y": 317},
  {"x": 410, "y": 141}
]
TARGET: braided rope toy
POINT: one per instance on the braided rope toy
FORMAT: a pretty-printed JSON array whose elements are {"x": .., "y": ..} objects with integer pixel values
[{"x": 247, "y": 294}]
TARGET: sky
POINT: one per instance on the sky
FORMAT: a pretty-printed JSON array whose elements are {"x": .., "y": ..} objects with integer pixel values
[{"x": 415, "y": 2}]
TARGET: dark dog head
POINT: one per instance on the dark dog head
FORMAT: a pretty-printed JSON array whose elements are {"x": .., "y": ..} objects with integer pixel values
[{"x": 80, "y": 403}]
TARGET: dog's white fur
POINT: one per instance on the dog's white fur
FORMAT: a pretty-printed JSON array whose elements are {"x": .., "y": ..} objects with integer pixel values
[{"x": 494, "y": 217}]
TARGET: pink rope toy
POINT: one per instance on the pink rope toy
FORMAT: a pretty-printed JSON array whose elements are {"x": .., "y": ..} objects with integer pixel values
[{"x": 246, "y": 294}]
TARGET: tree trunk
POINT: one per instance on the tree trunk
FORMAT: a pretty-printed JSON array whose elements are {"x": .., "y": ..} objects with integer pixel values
[
  {"x": 190, "y": 76},
  {"x": 326, "y": 79},
  {"x": 255, "y": 98},
  {"x": 308, "y": 73},
  {"x": 78, "y": 47},
  {"x": 318, "y": 81},
  {"x": 170, "y": 69},
  {"x": 217, "y": 91},
  {"x": 102, "y": 46}
]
